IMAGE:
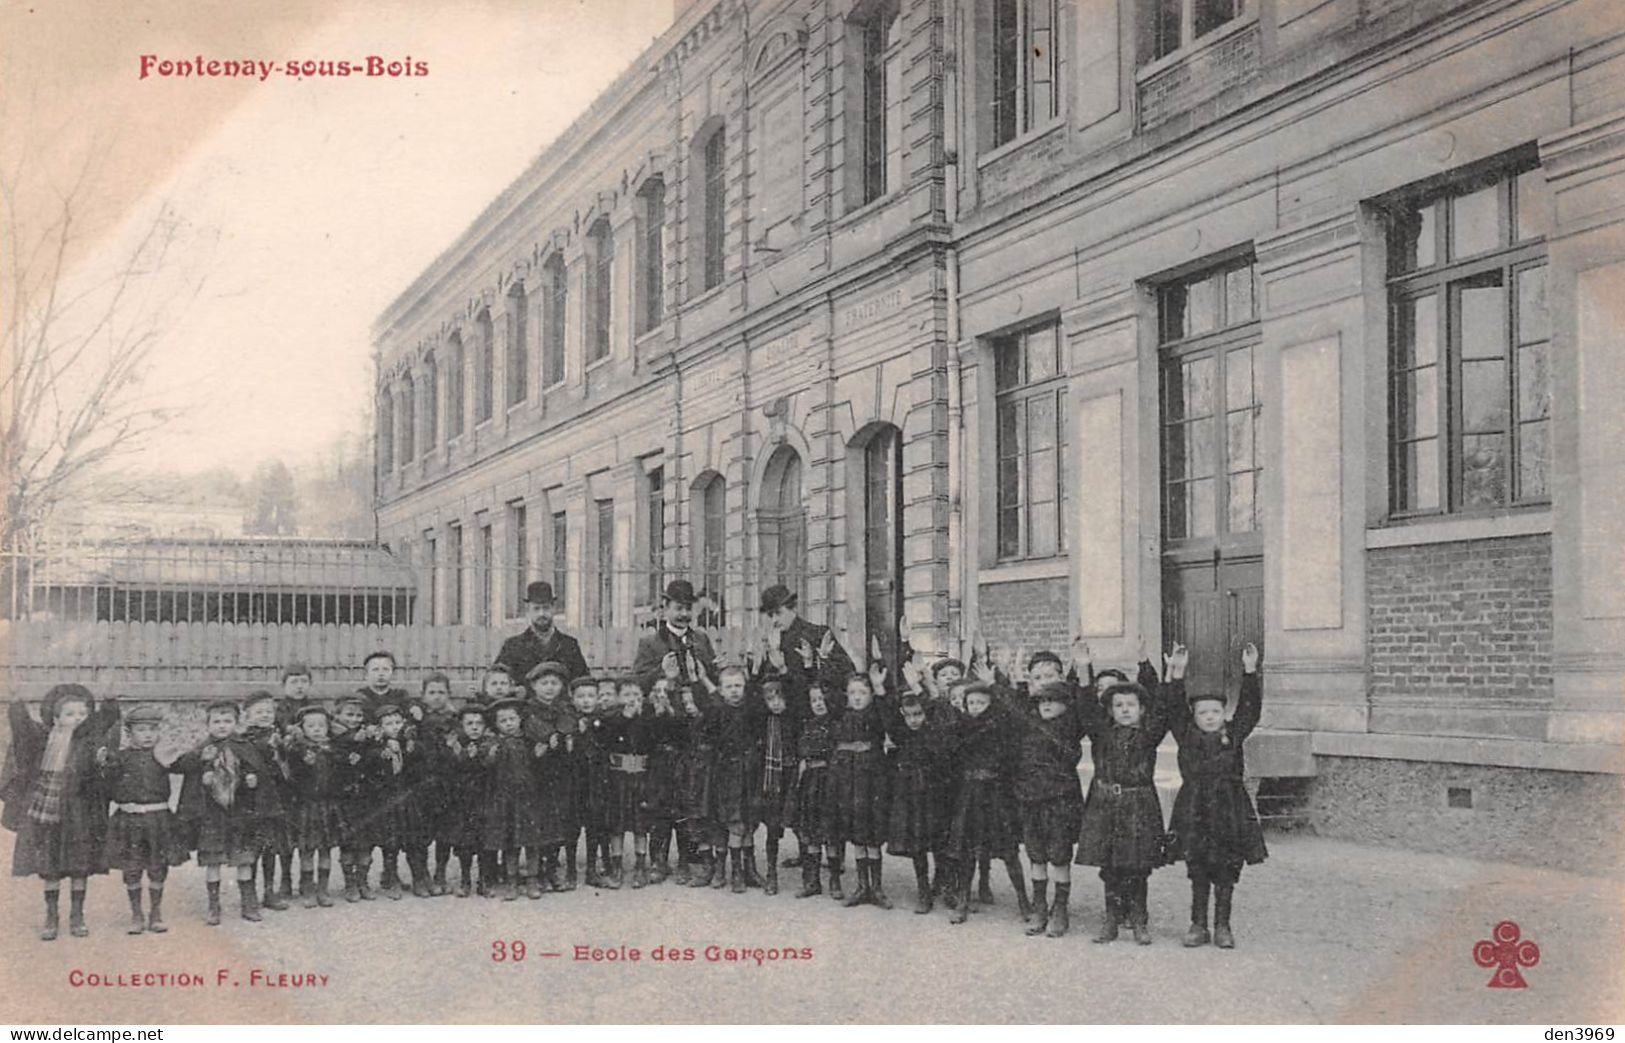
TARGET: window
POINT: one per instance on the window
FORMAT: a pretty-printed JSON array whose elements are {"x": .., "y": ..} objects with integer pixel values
[
  {"x": 652, "y": 254},
  {"x": 711, "y": 554},
  {"x": 484, "y": 369},
  {"x": 561, "y": 556},
  {"x": 1174, "y": 24},
  {"x": 518, "y": 342},
  {"x": 1210, "y": 404},
  {"x": 1030, "y": 394},
  {"x": 605, "y": 515},
  {"x": 655, "y": 529},
  {"x": 714, "y": 208},
  {"x": 431, "y": 402},
  {"x": 485, "y": 570},
  {"x": 781, "y": 523},
  {"x": 1470, "y": 341},
  {"x": 1026, "y": 69},
  {"x": 881, "y": 96},
  {"x": 431, "y": 550},
  {"x": 557, "y": 289},
  {"x": 519, "y": 555},
  {"x": 408, "y": 419},
  {"x": 458, "y": 577},
  {"x": 386, "y": 432},
  {"x": 456, "y": 388},
  {"x": 600, "y": 260}
]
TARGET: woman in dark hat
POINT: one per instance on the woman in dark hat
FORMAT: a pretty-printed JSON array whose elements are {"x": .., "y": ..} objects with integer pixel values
[{"x": 55, "y": 799}]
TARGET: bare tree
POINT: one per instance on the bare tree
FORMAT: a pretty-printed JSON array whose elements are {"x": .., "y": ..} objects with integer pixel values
[{"x": 79, "y": 332}]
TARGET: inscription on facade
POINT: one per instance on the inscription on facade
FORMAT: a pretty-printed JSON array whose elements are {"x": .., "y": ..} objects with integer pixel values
[
  {"x": 779, "y": 352},
  {"x": 872, "y": 309}
]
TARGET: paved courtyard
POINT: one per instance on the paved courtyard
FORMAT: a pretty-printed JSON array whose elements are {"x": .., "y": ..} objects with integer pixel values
[{"x": 1327, "y": 932}]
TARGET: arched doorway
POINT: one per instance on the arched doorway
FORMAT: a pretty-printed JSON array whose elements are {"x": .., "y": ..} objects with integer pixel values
[{"x": 781, "y": 521}]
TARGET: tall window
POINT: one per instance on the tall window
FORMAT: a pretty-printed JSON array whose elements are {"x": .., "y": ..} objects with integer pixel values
[
  {"x": 555, "y": 279},
  {"x": 605, "y": 516},
  {"x": 711, "y": 554},
  {"x": 458, "y": 576},
  {"x": 651, "y": 254},
  {"x": 1025, "y": 64},
  {"x": 486, "y": 570},
  {"x": 518, "y": 343},
  {"x": 386, "y": 432},
  {"x": 561, "y": 556},
  {"x": 1470, "y": 339},
  {"x": 654, "y": 523},
  {"x": 409, "y": 419},
  {"x": 1173, "y": 24},
  {"x": 714, "y": 175},
  {"x": 1210, "y": 404},
  {"x": 519, "y": 557},
  {"x": 1030, "y": 394},
  {"x": 431, "y": 548},
  {"x": 484, "y": 368},
  {"x": 881, "y": 99},
  {"x": 600, "y": 261},
  {"x": 456, "y": 388},
  {"x": 431, "y": 402},
  {"x": 781, "y": 523}
]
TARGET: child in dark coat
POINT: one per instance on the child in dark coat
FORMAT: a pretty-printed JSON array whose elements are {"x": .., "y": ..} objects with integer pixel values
[
  {"x": 470, "y": 755},
  {"x": 402, "y": 828},
  {"x": 513, "y": 821},
  {"x": 55, "y": 798},
  {"x": 694, "y": 781},
  {"x": 1214, "y": 822},
  {"x": 857, "y": 808},
  {"x": 1122, "y": 818},
  {"x": 357, "y": 786},
  {"x": 435, "y": 729},
  {"x": 294, "y": 697},
  {"x": 1049, "y": 746},
  {"x": 143, "y": 835},
  {"x": 550, "y": 720},
  {"x": 777, "y": 775},
  {"x": 919, "y": 809},
  {"x": 269, "y": 798},
  {"x": 317, "y": 822},
  {"x": 668, "y": 738},
  {"x": 218, "y": 804},
  {"x": 626, "y": 740},
  {"x": 591, "y": 774},
  {"x": 733, "y": 728},
  {"x": 808, "y": 799},
  {"x": 985, "y": 822}
]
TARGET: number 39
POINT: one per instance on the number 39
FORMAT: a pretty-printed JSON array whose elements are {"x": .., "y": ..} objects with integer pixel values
[{"x": 506, "y": 952}]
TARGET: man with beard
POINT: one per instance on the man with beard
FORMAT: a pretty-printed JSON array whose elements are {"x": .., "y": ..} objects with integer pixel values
[{"x": 541, "y": 641}]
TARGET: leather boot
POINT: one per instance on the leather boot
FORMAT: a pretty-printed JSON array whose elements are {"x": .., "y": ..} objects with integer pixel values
[
  {"x": 363, "y": 879},
  {"x": 390, "y": 880},
  {"x": 1111, "y": 918},
  {"x": 250, "y": 901},
  {"x": 284, "y": 891},
  {"x": 352, "y": 890},
  {"x": 984, "y": 889},
  {"x": 612, "y": 872},
  {"x": 307, "y": 888},
  {"x": 323, "y": 875},
  {"x": 48, "y": 930},
  {"x": 274, "y": 899},
  {"x": 1196, "y": 934},
  {"x": 834, "y": 859},
  {"x": 1060, "y": 918},
  {"x": 138, "y": 922},
  {"x": 76, "y": 913},
  {"x": 736, "y": 862},
  {"x": 948, "y": 878},
  {"x": 1222, "y": 895},
  {"x": 721, "y": 858},
  {"x": 922, "y": 886},
  {"x": 877, "y": 893},
  {"x": 771, "y": 886},
  {"x": 591, "y": 877},
  {"x": 860, "y": 893},
  {"x": 439, "y": 887},
  {"x": 685, "y": 860},
  {"x": 155, "y": 910},
  {"x": 960, "y": 883},
  {"x": 465, "y": 875},
  {"x": 810, "y": 884},
  {"x": 570, "y": 867},
  {"x": 1018, "y": 883},
  {"x": 1141, "y": 922},
  {"x": 640, "y": 872},
  {"x": 1040, "y": 922},
  {"x": 659, "y": 861},
  {"x": 752, "y": 877},
  {"x": 510, "y": 884},
  {"x": 212, "y": 917},
  {"x": 703, "y": 869},
  {"x": 418, "y": 862}
]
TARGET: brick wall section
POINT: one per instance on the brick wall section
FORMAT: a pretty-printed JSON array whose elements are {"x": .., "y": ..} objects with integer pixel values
[
  {"x": 1200, "y": 76},
  {"x": 1033, "y": 614},
  {"x": 1471, "y": 618}
]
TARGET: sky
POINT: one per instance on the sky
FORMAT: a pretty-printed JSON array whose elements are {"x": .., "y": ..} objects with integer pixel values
[{"x": 306, "y": 204}]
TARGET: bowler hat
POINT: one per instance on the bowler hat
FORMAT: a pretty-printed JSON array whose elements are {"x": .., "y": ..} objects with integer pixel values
[
  {"x": 680, "y": 591},
  {"x": 539, "y": 593},
  {"x": 776, "y": 597}
]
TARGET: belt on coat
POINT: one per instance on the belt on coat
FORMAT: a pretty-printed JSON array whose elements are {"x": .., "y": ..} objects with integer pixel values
[
  {"x": 854, "y": 747},
  {"x": 817, "y": 764},
  {"x": 140, "y": 809},
  {"x": 631, "y": 763},
  {"x": 1117, "y": 789},
  {"x": 981, "y": 774}
]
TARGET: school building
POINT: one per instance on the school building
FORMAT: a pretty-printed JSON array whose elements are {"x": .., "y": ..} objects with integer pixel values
[{"x": 1287, "y": 321}]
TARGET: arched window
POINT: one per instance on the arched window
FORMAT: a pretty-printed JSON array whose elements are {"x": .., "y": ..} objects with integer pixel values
[
  {"x": 456, "y": 387},
  {"x": 386, "y": 432},
  {"x": 782, "y": 523},
  {"x": 710, "y": 543},
  {"x": 431, "y": 402},
  {"x": 876, "y": 105},
  {"x": 707, "y": 206},
  {"x": 484, "y": 369},
  {"x": 556, "y": 297},
  {"x": 518, "y": 343},
  {"x": 651, "y": 254},
  {"x": 409, "y": 413},
  {"x": 600, "y": 260}
]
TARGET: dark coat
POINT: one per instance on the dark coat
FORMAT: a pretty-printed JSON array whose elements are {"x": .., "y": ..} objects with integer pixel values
[
  {"x": 921, "y": 807},
  {"x": 466, "y": 772},
  {"x": 1122, "y": 817},
  {"x": 734, "y": 734},
  {"x": 830, "y": 671},
  {"x": 857, "y": 810},
  {"x": 556, "y": 769},
  {"x": 75, "y": 846},
  {"x": 984, "y": 804},
  {"x": 523, "y": 651},
  {"x": 1214, "y": 820},
  {"x": 146, "y": 839},
  {"x": 221, "y": 834},
  {"x": 654, "y": 646},
  {"x": 513, "y": 817},
  {"x": 316, "y": 822}
]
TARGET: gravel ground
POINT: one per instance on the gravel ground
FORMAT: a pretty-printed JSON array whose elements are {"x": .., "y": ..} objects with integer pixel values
[{"x": 1327, "y": 932}]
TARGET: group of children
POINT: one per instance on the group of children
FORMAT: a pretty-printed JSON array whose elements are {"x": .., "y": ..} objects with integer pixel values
[{"x": 946, "y": 768}]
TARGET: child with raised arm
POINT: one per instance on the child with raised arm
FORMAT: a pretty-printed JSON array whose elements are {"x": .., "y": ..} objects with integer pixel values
[
  {"x": 1214, "y": 822},
  {"x": 668, "y": 736},
  {"x": 733, "y": 727},
  {"x": 143, "y": 835},
  {"x": 858, "y": 806}
]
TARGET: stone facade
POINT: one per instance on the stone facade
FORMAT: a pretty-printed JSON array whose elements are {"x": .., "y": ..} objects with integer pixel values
[{"x": 1060, "y": 199}]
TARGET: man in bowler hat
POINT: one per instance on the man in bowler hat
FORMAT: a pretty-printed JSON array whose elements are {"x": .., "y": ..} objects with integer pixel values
[
  {"x": 802, "y": 641},
  {"x": 541, "y": 641},
  {"x": 675, "y": 637}
]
